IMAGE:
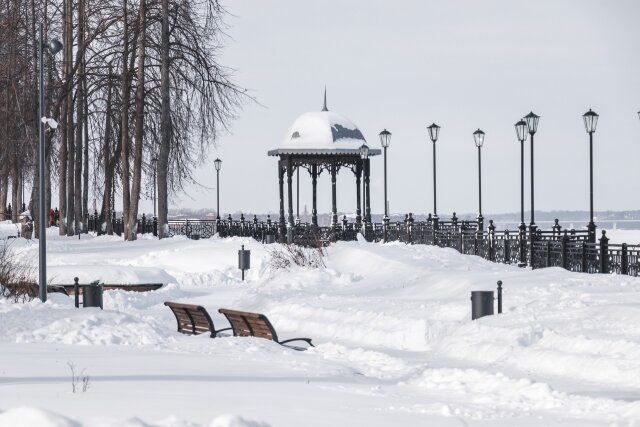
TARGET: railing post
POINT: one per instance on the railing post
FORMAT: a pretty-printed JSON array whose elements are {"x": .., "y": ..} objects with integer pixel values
[
  {"x": 604, "y": 253},
  {"x": 547, "y": 261},
  {"x": 563, "y": 250},
  {"x": 155, "y": 226},
  {"x": 522, "y": 244},
  {"x": 492, "y": 231},
  {"x": 556, "y": 229},
  {"x": 507, "y": 248},
  {"x": 477, "y": 236},
  {"x": 410, "y": 229},
  {"x": 532, "y": 238},
  {"x": 584, "y": 257},
  {"x": 624, "y": 262}
]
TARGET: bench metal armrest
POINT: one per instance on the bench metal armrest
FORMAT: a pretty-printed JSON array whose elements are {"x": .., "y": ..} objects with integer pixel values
[
  {"x": 307, "y": 340},
  {"x": 223, "y": 329}
]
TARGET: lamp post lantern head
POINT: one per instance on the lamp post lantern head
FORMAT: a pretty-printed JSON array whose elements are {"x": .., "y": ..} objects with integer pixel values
[
  {"x": 532, "y": 122},
  {"x": 434, "y": 131},
  {"x": 385, "y": 138},
  {"x": 478, "y": 137},
  {"x": 590, "y": 121},
  {"x": 217, "y": 163},
  {"x": 54, "y": 46},
  {"x": 521, "y": 130},
  {"x": 364, "y": 152}
]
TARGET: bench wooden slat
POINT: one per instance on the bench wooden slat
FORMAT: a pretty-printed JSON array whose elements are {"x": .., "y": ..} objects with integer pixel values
[
  {"x": 192, "y": 319},
  {"x": 245, "y": 323}
]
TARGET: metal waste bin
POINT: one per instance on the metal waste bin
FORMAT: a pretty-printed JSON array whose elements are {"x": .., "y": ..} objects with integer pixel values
[
  {"x": 244, "y": 260},
  {"x": 481, "y": 304},
  {"x": 270, "y": 238},
  {"x": 92, "y": 296},
  {"x": 195, "y": 237}
]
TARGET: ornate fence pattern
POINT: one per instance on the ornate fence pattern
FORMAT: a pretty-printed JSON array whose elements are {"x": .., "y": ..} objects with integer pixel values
[{"x": 573, "y": 250}]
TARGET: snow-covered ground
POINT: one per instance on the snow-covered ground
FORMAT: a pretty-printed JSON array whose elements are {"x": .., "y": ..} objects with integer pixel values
[{"x": 395, "y": 344}]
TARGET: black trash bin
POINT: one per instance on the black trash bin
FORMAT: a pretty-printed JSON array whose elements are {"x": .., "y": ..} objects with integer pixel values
[
  {"x": 270, "y": 238},
  {"x": 92, "y": 296},
  {"x": 481, "y": 304}
]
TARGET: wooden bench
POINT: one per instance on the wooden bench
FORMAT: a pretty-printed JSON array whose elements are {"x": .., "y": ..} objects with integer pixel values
[
  {"x": 193, "y": 319},
  {"x": 245, "y": 324}
]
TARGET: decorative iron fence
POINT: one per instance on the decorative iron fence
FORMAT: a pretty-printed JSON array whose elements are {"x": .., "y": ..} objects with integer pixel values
[{"x": 574, "y": 250}]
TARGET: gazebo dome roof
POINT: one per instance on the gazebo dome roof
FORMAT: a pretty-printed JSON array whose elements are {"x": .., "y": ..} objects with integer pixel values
[
  {"x": 322, "y": 133},
  {"x": 322, "y": 130}
]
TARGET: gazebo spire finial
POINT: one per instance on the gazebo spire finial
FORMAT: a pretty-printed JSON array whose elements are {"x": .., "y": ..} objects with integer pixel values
[{"x": 324, "y": 107}]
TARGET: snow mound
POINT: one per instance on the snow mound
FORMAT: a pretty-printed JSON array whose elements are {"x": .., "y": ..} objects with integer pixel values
[
  {"x": 29, "y": 417},
  {"x": 235, "y": 421},
  {"x": 367, "y": 362},
  {"x": 102, "y": 328}
]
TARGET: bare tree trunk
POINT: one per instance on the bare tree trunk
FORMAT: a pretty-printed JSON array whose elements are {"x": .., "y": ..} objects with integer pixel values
[
  {"x": 4, "y": 187},
  {"x": 124, "y": 128},
  {"x": 80, "y": 100},
  {"x": 105, "y": 214},
  {"x": 64, "y": 117},
  {"x": 85, "y": 174},
  {"x": 165, "y": 124},
  {"x": 14, "y": 194},
  {"x": 139, "y": 125}
]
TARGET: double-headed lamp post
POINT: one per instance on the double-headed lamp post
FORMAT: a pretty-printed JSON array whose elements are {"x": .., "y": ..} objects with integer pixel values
[
  {"x": 218, "y": 164},
  {"x": 53, "y": 47},
  {"x": 521, "y": 132},
  {"x": 532, "y": 127},
  {"x": 478, "y": 137},
  {"x": 590, "y": 122},
  {"x": 434, "y": 131},
  {"x": 364, "y": 155},
  {"x": 385, "y": 140}
]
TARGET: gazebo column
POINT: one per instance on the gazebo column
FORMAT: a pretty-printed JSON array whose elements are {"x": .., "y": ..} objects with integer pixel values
[
  {"x": 290, "y": 191},
  {"x": 358, "y": 197},
  {"x": 281, "y": 224},
  {"x": 314, "y": 183},
  {"x": 334, "y": 209},
  {"x": 367, "y": 217}
]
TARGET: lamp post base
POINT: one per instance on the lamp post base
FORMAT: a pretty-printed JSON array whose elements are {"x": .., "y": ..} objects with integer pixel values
[{"x": 591, "y": 228}]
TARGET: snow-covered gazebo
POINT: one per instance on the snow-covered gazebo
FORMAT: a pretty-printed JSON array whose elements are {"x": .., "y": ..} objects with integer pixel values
[{"x": 317, "y": 141}]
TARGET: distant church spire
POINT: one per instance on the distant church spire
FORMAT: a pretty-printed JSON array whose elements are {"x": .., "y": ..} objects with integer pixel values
[{"x": 324, "y": 107}]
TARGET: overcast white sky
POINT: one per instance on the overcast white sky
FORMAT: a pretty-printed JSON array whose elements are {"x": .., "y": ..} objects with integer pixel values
[{"x": 469, "y": 64}]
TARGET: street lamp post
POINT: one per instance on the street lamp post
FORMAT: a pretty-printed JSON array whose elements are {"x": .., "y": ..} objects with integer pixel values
[
  {"x": 532, "y": 126},
  {"x": 385, "y": 140},
  {"x": 590, "y": 122},
  {"x": 218, "y": 164},
  {"x": 434, "y": 132},
  {"x": 54, "y": 47},
  {"x": 478, "y": 137},
  {"x": 521, "y": 132}
]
